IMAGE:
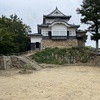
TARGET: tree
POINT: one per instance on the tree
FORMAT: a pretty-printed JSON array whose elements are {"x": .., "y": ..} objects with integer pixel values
[
  {"x": 13, "y": 35},
  {"x": 6, "y": 42},
  {"x": 90, "y": 12}
]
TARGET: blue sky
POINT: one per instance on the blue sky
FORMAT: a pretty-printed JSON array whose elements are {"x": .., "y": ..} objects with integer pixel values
[{"x": 31, "y": 11}]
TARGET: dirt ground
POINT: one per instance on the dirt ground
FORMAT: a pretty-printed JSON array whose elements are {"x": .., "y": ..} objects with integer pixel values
[{"x": 59, "y": 83}]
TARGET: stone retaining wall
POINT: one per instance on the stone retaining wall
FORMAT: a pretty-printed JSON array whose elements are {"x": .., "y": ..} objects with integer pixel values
[
  {"x": 7, "y": 62},
  {"x": 60, "y": 44},
  {"x": 16, "y": 62},
  {"x": 81, "y": 43},
  {"x": 1, "y": 62}
]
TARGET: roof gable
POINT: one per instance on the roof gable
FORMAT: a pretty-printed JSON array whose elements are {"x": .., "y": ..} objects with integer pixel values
[{"x": 56, "y": 12}]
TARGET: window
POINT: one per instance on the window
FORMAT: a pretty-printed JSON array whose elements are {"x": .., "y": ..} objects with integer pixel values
[
  {"x": 59, "y": 29},
  {"x": 63, "y": 33},
  {"x": 72, "y": 33},
  {"x": 45, "y": 33},
  {"x": 55, "y": 33},
  {"x": 59, "y": 33}
]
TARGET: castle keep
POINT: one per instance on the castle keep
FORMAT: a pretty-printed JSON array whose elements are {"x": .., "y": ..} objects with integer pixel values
[{"x": 55, "y": 31}]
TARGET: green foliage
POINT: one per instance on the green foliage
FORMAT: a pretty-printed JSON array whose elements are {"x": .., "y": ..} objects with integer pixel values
[
  {"x": 13, "y": 35},
  {"x": 90, "y": 12},
  {"x": 27, "y": 66},
  {"x": 95, "y": 37},
  {"x": 65, "y": 55},
  {"x": 6, "y": 42}
]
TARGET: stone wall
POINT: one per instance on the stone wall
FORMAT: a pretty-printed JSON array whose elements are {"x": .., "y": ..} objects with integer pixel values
[
  {"x": 16, "y": 62},
  {"x": 1, "y": 62},
  {"x": 59, "y": 43},
  {"x": 81, "y": 43},
  {"x": 5, "y": 62}
]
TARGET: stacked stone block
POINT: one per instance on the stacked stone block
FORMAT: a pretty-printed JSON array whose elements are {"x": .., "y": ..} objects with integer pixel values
[{"x": 60, "y": 44}]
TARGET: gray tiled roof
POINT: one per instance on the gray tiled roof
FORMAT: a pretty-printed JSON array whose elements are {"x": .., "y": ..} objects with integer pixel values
[
  {"x": 70, "y": 25},
  {"x": 81, "y": 31},
  {"x": 56, "y": 10}
]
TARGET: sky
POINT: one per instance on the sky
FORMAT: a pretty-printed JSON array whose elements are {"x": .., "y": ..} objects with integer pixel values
[{"x": 32, "y": 11}]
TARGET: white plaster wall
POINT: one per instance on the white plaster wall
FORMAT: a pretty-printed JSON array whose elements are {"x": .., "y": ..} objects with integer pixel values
[
  {"x": 36, "y": 39},
  {"x": 52, "y": 20},
  {"x": 44, "y": 31},
  {"x": 59, "y": 28},
  {"x": 49, "y": 20}
]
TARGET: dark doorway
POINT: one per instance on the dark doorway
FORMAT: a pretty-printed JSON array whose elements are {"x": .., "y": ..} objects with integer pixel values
[{"x": 37, "y": 45}]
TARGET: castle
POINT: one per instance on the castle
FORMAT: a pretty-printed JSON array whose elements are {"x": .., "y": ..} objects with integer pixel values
[{"x": 55, "y": 31}]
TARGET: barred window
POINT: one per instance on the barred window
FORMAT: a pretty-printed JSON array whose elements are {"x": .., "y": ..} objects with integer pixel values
[
  {"x": 72, "y": 33},
  {"x": 59, "y": 33},
  {"x": 45, "y": 33}
]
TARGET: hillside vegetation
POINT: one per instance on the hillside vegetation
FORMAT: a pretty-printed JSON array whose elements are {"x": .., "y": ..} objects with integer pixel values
[
  {"x": 13, "y": 35},
  {"x": 65, "y": 55}
]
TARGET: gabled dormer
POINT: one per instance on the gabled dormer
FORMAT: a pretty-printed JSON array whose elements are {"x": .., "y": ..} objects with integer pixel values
[{"x": 55, "y": 15}]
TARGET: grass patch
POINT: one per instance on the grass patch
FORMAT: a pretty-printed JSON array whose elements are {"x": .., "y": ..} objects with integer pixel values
[{"x": 64, "y": 55}]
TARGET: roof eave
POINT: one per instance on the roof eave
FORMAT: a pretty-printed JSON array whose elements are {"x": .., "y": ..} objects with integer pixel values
[
  {"x": 65, "y": 17},
  {"x": 35, "y": 35},
  {"x": 77, "y": 26},
  {"x": 81, "y": 31},
  {"x": 43, "y": 25}
]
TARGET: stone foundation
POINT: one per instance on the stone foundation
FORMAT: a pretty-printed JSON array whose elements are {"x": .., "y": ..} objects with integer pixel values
[
  {"x": 81, "y": 43},
  {"x": 59, "y": 43}
]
